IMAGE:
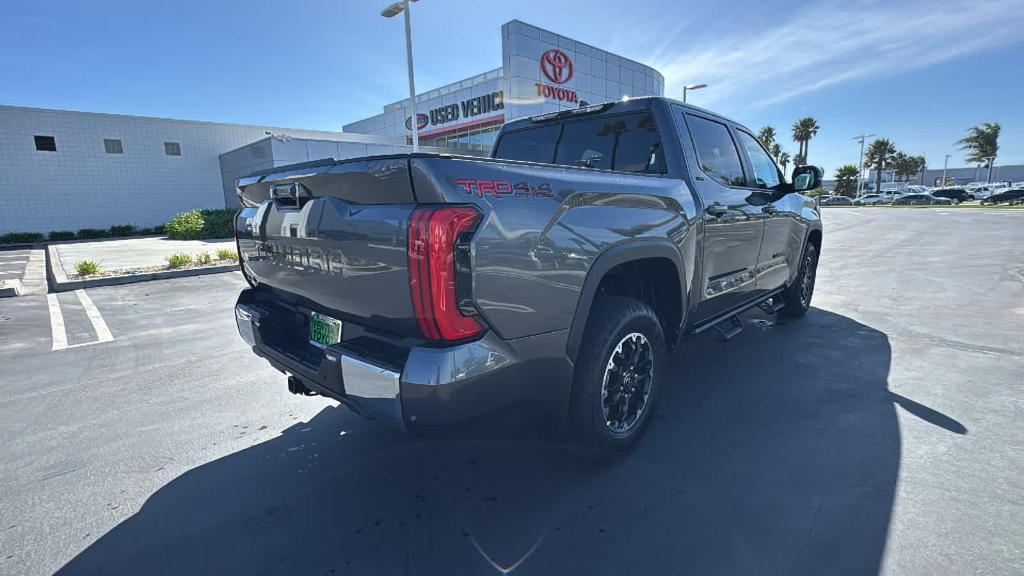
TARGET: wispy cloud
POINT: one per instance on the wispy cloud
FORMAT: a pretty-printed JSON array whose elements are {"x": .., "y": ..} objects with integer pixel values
[{"x": 759, "y": 59}]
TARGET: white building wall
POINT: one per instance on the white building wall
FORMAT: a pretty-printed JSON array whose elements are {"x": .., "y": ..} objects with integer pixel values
[{"x": 82, "y": 186}]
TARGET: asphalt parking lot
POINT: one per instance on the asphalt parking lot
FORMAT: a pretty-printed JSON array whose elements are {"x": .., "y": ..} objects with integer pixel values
[{"x": 882, "y": 433}]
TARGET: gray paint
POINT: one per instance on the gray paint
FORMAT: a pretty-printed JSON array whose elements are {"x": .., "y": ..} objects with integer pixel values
[{"x": 344, "y": 253}]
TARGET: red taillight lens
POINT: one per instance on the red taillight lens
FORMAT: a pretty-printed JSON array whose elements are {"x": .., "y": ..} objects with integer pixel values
[{"x": 433, "y": 236}]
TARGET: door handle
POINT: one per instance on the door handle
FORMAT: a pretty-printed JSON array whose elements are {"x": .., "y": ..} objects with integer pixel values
[
  {"x": 716, "y": 210},
  {"x": 769, "y": 209}
]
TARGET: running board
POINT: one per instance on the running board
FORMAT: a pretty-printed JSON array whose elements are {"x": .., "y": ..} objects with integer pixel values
[
  {"x": 735, "y": 327},
  {"x": 772, "y": 306},
  {"x": 732, "y": 317}
]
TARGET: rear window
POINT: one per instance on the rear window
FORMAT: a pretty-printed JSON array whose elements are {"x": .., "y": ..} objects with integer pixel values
[
  {"x": 625, "y": 142},
  {"x": 533, "y": 144}
]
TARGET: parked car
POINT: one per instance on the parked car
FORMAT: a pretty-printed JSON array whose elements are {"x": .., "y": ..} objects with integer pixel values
[
  {"x": 870, "y": 200},
  {"x": 957, "y": 195},
  {"x": 836, "y": 201},
  {"x": 558, "y": 274},
  {"x": 1012, "y": 196},
  {"x": 921, "y": 200}
]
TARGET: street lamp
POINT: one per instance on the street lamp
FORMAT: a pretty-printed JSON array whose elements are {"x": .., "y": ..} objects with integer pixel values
[
  {"x": 860, "y": 162},
  {"x": 390, "y": 12},
  {"x": 991, "y": 160},
  {"x": 692, "y": 87},
  {"x": 944, "y": 166}
]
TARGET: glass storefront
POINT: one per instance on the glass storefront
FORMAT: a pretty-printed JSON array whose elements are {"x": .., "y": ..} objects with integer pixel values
[{"x": 473, "y": 138}]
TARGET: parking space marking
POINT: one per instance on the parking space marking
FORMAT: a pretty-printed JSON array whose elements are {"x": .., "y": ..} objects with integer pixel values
[
  {"x": 98, "y": 323},
  {"x": 59, "y": 335}
]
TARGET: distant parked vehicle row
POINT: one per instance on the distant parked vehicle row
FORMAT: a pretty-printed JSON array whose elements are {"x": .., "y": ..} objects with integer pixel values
[
  {"x": 957, "y": 195},
  {"x": 921, "y": 200},
  {"x": 1012, "y": 197},
  {"x": 836, "y": 201}
]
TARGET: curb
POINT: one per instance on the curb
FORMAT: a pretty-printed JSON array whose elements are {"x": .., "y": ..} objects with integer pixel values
[
  {"x": 10, "y": 289},
  {"x": 59, "y": 282}
]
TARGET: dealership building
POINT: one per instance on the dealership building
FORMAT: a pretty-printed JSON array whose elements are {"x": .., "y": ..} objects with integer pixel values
[{"x": 66, "y": 170}]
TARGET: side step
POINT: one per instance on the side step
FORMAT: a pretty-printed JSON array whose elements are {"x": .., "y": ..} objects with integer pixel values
[
  {"x": 735, "y": 327},
  {"x": 772, "y": 305}
]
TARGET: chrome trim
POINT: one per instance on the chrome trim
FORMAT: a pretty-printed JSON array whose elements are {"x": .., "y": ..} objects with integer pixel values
[
  {"x": 375, "y": 390},
  {"x": 247, "y": 319}
]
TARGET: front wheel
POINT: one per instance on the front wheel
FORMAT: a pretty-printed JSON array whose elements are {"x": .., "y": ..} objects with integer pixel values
[
  {"x": 797, "y": 297},
  {"x": 620, "y": 367}
]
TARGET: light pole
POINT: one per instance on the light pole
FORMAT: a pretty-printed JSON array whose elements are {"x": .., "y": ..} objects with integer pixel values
[
  {"x": 689, "y": 87},
  {"x": 944, "y": 166},
  {"x": 860, "y": 161},
  {"x": 991, "y": 160},
  {"x": 389, "y": 12}
]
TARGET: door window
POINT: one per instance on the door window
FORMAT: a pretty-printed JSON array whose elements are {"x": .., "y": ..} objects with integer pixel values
[
  {"x": 716, "y": 151},
  {"x": 766, "y": 174}
]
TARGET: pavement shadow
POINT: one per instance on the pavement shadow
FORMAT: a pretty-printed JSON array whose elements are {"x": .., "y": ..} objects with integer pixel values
[{"x": 774, "y": 454}]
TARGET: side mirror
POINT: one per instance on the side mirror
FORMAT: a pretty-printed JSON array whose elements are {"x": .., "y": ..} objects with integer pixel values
[{"x": 806, "y": 178}]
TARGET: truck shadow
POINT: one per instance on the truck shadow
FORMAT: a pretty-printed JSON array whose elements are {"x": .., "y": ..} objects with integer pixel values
[{"x": 775, "y": 454}]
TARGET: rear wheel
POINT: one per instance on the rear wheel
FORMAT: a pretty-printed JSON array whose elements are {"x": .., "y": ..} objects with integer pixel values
[
  {"x": 621, "y": 364},
  {"x": 797, "y": 297}
]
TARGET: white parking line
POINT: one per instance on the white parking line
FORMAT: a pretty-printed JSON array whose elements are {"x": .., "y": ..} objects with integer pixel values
[
  {"x": 102, "y": 331},
  {"x": 58, "y": 331},
  {"x": 59, "y": 336}
]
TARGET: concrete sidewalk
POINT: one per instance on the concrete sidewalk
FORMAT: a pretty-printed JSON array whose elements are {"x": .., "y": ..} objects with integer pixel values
[
  {"x": 22, "y": 271},
  {"x": 124, "y": 261}
]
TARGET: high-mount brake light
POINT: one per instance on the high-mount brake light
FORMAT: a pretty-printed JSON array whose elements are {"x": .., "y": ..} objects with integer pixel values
[{"x": 435, "y": 234}]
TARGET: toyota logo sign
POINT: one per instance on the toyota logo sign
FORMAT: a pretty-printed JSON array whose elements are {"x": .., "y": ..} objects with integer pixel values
[{"x": 556, "y": 66}]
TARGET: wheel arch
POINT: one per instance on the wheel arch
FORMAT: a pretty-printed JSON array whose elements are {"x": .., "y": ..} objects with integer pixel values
[{"x": 650, "y": 256}]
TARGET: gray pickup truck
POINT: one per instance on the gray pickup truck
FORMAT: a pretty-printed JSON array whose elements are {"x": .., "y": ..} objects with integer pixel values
[{"x": 556, "y": 275}]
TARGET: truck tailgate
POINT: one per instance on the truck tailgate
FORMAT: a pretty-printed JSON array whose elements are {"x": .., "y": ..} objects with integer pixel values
[{"x": 335, "y": 235}]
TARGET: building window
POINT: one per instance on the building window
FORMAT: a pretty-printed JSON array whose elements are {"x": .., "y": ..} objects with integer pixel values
[
  {"x": 172, "y": 148},
  {"x": 46, "y": 143},
  {"x": 113, "y": 146}
]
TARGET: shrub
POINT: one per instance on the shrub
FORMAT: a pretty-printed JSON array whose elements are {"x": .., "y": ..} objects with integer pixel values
[
  {"x": 227, "y": 254},
  {"x": 218, "y": 223},
  {"x": 179, "y": 260},
  {"x": 202, "y": 224},
  {"x": 158, "y": 229},
  {"x": 87, "y": 267},
  {"x": 21, "y": 238},
  {"x": 62, "y": 235},
  {"x": 91, "y": 233},
  {"x": 186, "y": 226},
  {"x": 203, "y": 258},
  {"x": 122, "y": 230}
]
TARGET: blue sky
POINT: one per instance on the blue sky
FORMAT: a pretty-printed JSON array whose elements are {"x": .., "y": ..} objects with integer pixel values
[{"x": 919, "y": 73}]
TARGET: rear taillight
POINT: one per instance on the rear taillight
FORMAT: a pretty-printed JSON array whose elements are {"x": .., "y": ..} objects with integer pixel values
[{"x": 438, "y": 272}]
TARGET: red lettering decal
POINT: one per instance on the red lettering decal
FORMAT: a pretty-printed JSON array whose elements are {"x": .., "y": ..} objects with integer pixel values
[
  {"x": 502, "y": 187},
  {"x": 540, "y": 88},
  {"x": 466, "y": 184},
  {"x": 485, "y": 187}
]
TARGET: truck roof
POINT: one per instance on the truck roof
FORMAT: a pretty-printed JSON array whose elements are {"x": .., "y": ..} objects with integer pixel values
[{"x": 616, "y": 106}]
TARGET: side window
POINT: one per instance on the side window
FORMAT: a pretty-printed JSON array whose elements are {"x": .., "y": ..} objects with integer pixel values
[
  {"x": 589, "y": 143},
  {"x": 532, "y": 144},
  {"x": 716, "y": 151},
  {"x": 766, "y": 174},
  {"x": 639, "y": 146}
]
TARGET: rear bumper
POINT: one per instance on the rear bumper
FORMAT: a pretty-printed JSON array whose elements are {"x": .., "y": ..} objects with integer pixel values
[{"x": 433, "y": 387}]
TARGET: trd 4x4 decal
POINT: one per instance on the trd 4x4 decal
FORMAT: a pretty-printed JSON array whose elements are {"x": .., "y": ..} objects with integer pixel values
[{"x": 501, "y": 188}]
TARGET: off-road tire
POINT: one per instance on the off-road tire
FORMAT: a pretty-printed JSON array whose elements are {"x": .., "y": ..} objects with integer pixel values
[
  {"x": 612, "y": 320},
  {"x": 797, "y": 302}
]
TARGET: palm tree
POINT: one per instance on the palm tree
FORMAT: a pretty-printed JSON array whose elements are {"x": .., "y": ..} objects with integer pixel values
[
  {"x": 775, "y": 150},
  {"x": 899, "y": 163},
  {"x": 846, "y": 180},
  {"x": 798, "y": 160},
  {"x": 803, "y": 130},
  {"x": 783, "y": 161},
  {"x": 982, "y": 145},
  {"x": 767, "y": 136},
  {"x": 879, "y": 156}
]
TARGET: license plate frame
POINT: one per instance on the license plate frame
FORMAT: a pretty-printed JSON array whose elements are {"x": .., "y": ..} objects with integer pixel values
[{"x": 324, "y": 331}]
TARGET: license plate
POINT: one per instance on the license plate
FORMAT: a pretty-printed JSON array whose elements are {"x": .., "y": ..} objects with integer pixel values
[{"x": 324, "y": 330}]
